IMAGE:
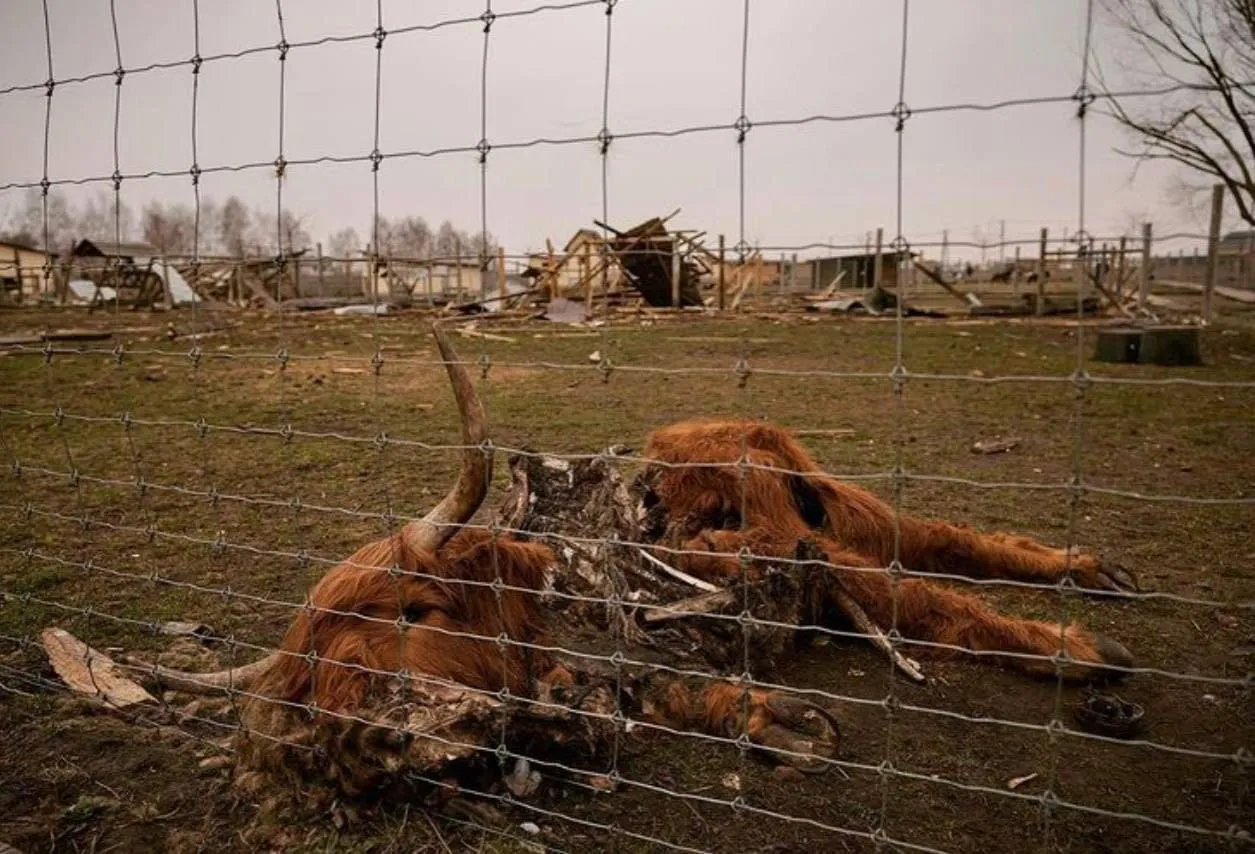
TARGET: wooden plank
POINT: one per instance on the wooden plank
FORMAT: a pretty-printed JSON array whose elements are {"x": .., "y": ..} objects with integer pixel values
[
  {"x": 722, "y": 290},
  {"x": 1213, "y": 250},
  {"x": 966, "y": 299},
  {"x": 743, "y": 279},
  {"x": 88, "y": 671},
  {"x": 501, "y": 281},
  {"x": 1040, "y": 289},
  {"x": 677, "y": 267},
  {"x": 876, "y": 260}
]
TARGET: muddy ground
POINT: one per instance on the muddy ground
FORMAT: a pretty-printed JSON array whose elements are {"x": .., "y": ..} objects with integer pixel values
[{"x": 223, "y": 479}]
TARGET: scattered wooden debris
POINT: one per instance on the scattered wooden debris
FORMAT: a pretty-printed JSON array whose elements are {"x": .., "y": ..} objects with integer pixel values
[
  {"x": 200, "y": 631},
  {"x": 995, "y": 446},
  {"x": 1015, "y": 782},
  {"x": 89, "y": 671}
]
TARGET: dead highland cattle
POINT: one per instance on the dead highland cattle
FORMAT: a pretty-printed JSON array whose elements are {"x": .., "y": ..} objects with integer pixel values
[{"x": 417, "y": 659}]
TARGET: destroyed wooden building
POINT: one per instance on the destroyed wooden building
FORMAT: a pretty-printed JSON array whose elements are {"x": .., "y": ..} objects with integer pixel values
[{"x": 26, "y": 273}]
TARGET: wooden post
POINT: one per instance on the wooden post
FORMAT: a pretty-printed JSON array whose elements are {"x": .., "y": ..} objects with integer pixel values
[
  {"x": 167, "y": 299},
  {"x": 17, "y": 272},
  {"x": 793, "y": 272},
  {"x": 1015, "y": 275},
  {"x": 604, "y": 250},
  {"x": 585, "y": 266},
  {"x": 780, "y": 273},
  {"x": 675, "y": 274},
  {"x": 721, "y": 274},
  {"x": 1118, "y": 290},
  {"x": 457, "y": 260},
  {"x": 321, "y": 292},
  {"x": 1143, "y": 285},
  {"x": 431, "y": 274},
  {"x": 1080, "y": 275},
  {"x": 876, "y": 271},
  {"x": 372, "y": 262},
  {"x": 501, "y": 286},
  {"x": 552, "y": 271},
  {"x": 1040, "y": 284},
  {"x": 1246, "y": 263},
  {"x": 1213, "y": 249}
]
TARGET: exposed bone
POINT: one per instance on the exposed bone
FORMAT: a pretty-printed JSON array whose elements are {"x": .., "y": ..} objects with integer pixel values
[
  {"x": 694, "y": 606},
  {"x": 678, "y": 575},
  {"x": 864, "y": 624}
]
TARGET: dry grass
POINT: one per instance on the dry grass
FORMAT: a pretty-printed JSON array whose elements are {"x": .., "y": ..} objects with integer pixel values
[{"x": 1164, "y": 439}]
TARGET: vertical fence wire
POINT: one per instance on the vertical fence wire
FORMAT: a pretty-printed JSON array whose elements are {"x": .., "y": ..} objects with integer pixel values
[
  {"x": 902, "y": 256},
  {"x": 750, "y": 681}
]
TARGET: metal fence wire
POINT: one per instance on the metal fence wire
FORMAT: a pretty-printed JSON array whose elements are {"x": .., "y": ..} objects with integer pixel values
[{"x": 1062, "y": 821}]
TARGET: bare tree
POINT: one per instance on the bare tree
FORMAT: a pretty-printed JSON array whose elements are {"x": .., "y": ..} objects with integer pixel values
[
  {"x": 1203, "y": 51},
  {"x": 345, "y": 243},
  {"x": 27, "y": 221},
  {"x": 446, "y": 242},
  {"x": 234, "y": 224},
  {"x": 105, "y": 217},
  {"x": 170, "y": 229}
]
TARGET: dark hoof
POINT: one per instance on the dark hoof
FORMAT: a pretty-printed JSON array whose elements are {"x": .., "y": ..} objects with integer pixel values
[
  {"x": 1107, "y": 714},
  {"x": 802, "y": 735},
  {"x": 1113, "y": 665},
  {"x": 1117, "y": 579}
]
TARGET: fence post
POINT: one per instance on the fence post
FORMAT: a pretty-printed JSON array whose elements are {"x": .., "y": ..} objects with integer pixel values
[
  {"x": 1040, "y": 284},
  {"x": 431, "y": 275},
  {"x": 457, "y": 260},
  {"x": 721, "y": 279},
  {"x": 675, "y": 274},
  {"x": 585, "y": 270},
  {"x": 1213, "y": 249},
  {"x": 1246, "y": 263},
  {"x": 374, "y": 274},
  {"x": 501, "y": 286},
  {"x": 167, "y": 298},
  {"x": 1119, "y": 288},
  {"x": 1015, "y": 275},
  {"x": 321, "y": 291},
  {"x": 603, "y": 250},
  {"x": 876, "y": 272}
]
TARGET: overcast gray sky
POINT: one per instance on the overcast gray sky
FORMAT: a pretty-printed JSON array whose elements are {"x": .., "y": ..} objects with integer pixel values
[{"x": 674, "y": 64}]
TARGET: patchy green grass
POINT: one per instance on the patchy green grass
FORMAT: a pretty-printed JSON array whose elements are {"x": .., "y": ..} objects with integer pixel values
[{"x": 166, "y": 480}]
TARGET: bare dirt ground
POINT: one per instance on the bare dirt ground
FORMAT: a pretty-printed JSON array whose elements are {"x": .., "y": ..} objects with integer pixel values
[{"x": 221, "y": 475}]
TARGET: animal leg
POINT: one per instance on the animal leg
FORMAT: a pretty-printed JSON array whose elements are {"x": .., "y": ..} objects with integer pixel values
[
  {"x": 792, "y": 730},
  {"x": 958, "y": 622},
  {"x": 941, "y": 547}
]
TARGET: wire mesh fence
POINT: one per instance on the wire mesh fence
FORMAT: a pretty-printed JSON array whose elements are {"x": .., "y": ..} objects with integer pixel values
[{"x": 602, "y": 643}]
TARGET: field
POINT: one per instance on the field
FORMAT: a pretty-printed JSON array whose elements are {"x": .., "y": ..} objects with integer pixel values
[{"x": 233, "y": 499}]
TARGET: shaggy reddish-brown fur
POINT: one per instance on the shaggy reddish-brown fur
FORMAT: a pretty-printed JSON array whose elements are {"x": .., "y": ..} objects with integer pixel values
[
  {"x": 436, "y": 615},
  {"x": 781, "y": 497},
  {"x": 439, "y": 616}
]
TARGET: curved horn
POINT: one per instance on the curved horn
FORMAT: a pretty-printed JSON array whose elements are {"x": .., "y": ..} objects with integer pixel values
[
  {"x": 428, "y": 533},
  {"x": 461, "y": 502},
  {"x": 237, "y": 678}
]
